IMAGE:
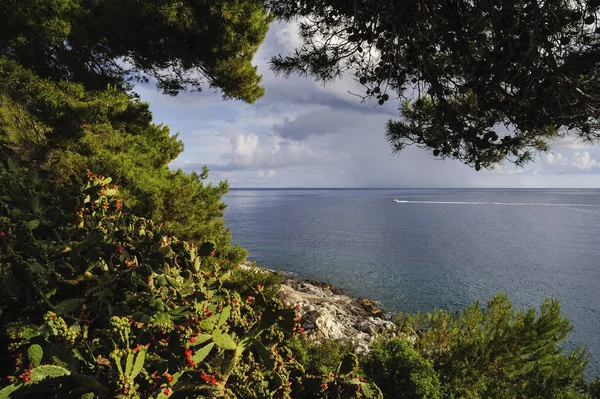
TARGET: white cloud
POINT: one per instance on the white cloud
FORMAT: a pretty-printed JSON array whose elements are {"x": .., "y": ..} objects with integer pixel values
[
  {"x": 582, "y": 160},
  {"x": 556, "y": 159},
  {"x": 571, "y": 162},
  {"x": 272, "y": 151}
]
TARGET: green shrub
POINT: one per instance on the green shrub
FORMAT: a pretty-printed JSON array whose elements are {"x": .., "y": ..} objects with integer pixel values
[
  {"x": 245, "y": 281},
  {"x": 400, "y": 371},
  {"x": 319, "y": 357},
  {"x": 104, "y": 302},
  {"x": 497, "y": 352},
  {"x": 594, "y": 388}
]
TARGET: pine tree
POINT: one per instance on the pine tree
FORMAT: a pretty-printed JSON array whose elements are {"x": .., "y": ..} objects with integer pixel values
[{"x": 483, "y": 81}]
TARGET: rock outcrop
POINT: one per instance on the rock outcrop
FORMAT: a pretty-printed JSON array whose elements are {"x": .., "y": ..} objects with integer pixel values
[{"x": 329, "y": 313}]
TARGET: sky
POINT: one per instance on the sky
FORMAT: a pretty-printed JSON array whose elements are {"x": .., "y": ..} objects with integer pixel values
[{"x": 304, "y": 134}]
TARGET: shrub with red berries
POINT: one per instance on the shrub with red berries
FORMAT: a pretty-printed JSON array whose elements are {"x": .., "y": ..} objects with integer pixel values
[{"x": 117, "y": 307}]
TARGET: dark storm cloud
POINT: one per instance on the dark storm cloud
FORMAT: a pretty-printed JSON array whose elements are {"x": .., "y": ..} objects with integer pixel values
[
  {"x": 329, "y": 121},
  {"x": 295, "y": 92}
]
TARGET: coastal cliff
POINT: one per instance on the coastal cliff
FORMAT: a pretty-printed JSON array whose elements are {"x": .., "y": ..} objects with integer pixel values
[{"x": 328, "y": 313}]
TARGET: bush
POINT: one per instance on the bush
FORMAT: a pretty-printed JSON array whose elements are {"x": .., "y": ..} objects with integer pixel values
[
  {"x": 107, "y": 303},
  {"x": 400, "y": 371},
  {"x": 319, "y": 357},
  {"x": 97, "y": 302},
  {"x": 594, "y": 388},
  {"x": 245, "y": 281},
  {"x": 62, "y": 128},
  {"x": 497, "y": 352}
]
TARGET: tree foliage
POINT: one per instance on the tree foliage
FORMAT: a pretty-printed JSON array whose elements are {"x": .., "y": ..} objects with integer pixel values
[
  {"x": 497, "y": 352},
  {"x": 400, "y": 370},
  {"x": 483, "y": 81},
  {"x": 180, "y": 44},
  {"x": 61, "y": 127}
]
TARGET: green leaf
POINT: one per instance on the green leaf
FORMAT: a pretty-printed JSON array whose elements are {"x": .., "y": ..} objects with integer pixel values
[
  {"x": 68, "y": 305},
  {"x": 224, "y": 316},
  {"x": 201, "y": 354},
  {"x": 200, "y": 339},
  {"x": 141, "y": 317},
  {"x": 75, "y": 327},
  {"x": 28, "y": 332},
  {"x": 129, "y": 362},
  {"x": 41, "y": 372},
  {"x": 117, "y": 358},
  {"x": 35, "y": 353},
  {"x": 77, "y": 354},
  {"x": 265, "y": 355},
  {"x": 6, "y": 392},
  {"x": 206, "y": 325},
  {"x": 225, "y": 276},
  {"x": 178, "y": 311},
  {"x": 370, "y": 390},
  {"x": 173, "y": 282},
  {"x": 162, "y": 318},
  {"x": 223, "y": 340},
  {"x": 139, "y": 362},
  {"x": 33, "y": 224}
]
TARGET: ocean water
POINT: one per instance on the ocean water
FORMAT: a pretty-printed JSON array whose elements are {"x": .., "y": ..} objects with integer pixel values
[{"x": 439, "y": 248}]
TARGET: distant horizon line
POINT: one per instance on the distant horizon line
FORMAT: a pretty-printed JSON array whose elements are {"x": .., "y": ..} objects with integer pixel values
[{"x": 414, "y": 188}]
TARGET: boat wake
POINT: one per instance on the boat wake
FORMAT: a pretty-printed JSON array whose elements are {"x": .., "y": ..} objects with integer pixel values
[{"x": 491, "y": 203}]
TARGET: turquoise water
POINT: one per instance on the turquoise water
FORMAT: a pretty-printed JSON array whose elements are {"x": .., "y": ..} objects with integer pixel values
[{"x": 443, "y": 248}]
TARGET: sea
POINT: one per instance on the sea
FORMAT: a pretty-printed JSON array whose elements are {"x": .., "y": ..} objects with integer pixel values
[{"x": 435, "y": 248}]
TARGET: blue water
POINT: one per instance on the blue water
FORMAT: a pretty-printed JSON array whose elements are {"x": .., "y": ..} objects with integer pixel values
[{"x": 443, "y": 248}]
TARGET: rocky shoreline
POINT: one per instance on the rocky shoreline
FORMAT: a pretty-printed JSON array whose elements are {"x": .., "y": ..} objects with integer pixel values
[{"x": 329, "y": 313}]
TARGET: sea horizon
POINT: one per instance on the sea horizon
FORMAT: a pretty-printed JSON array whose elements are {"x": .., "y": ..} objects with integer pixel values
[{"x": 414, "y": 188}]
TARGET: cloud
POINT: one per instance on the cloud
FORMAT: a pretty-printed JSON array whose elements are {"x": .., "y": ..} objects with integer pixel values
[
  {"x": 582, "y": 160},
  {"x": 326, "y": 120},
  {"x": 305, "y": 92},
  {"x": 576, "y": 162},
  {"x": 556, "y": 159},
  {"x": 304, "y": 134},
  {"x": 248, "y": 151}
]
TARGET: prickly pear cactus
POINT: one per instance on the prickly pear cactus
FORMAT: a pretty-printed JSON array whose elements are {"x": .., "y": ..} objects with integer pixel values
[
  {"x": 349, "y": 364},
  {"x": 35, "y": 353},
  {"x": 106, "y": 304}
]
